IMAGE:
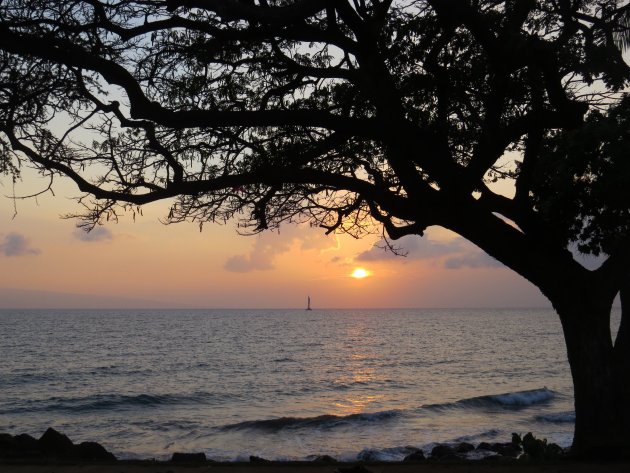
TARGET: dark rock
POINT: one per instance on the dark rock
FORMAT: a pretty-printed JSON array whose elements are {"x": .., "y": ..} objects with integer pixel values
[
  {"x": 554, "y": 452},
  {"x": 55, "y": 444},
  {"x": 416, "y": 456},
  {"x": 441, "y": 451},
  {"x": 28, "y": 446},
  {"x": 21, "y": 446},
  {"x": 180, "y": 457},
  {"x": 324, "y": 459},
  {"x": 92, "y": 451},
  {"x": 510, "y": 450},
  {"x": 7, "y": 443},
  {"x": 506, "y": 449},
  {"x": 8, "y": 446},
  {"x": 464, "y": 447},
  {"x": 255, "y": 459},
  {"x": 26, "y": 441},
  {"x": 368, "y": 455},
  {"x": 51, "y": 445}
]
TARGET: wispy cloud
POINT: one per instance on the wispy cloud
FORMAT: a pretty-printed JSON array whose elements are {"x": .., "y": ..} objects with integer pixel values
[
  {"x": 260, "y": 257},
  {"x": 96, "y": 234},
  {"x": 451, "y": 254},
  {"x": 413, "y": 247},
  {"x": 475, "y": 259},
  {"x": 15, "y": 244},
  {"x": 268, "y": 246}
]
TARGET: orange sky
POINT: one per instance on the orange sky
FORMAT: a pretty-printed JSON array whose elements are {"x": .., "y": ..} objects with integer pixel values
[{"x": 46, "y": 262}]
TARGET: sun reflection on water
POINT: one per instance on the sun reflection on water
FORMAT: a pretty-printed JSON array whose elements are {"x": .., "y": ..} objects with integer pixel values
[{"x": 356, "y": 404}]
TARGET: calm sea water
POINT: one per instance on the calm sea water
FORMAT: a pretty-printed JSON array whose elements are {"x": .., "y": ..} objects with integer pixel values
[{"x": 284, "y": 384}]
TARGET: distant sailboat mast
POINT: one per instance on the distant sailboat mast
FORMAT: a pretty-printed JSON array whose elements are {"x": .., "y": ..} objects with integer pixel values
[{"x": 308, "y": 303}]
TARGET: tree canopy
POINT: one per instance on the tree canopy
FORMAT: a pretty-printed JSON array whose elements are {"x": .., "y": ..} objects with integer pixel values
[
  {"x": 344, "y": 113},
  {"x": 317, "y": 110}
]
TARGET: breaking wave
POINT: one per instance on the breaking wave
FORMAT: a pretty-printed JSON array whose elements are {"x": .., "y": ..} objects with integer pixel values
[
  {"x": 327, "y": 421},
  {"x": 101, "y": 402},
  {"x": 389, "y": 454},
  {"x": 557, "y": 417},
  {"x": 515, "y": 400}
]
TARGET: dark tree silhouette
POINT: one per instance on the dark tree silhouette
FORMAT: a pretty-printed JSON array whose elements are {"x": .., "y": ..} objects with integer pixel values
[{"x": 342, "y": 113}]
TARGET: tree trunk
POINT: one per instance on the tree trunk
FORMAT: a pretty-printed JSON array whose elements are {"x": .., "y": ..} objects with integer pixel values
[
  {"x": 583, "y": 299},
  {"x": 601, "y": 377}
]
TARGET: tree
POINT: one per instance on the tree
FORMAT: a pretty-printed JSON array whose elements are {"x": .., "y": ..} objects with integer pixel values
[{"x": 348, "y": 113}]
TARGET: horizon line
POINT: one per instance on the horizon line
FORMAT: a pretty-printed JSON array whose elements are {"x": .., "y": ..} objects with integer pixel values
[{"x": 538, "y": 307}]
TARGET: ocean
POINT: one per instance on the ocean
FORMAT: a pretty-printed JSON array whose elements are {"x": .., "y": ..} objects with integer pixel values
[{"x": 284, "y": 384}]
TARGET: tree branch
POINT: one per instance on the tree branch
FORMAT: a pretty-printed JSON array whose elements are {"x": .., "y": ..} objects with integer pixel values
[
  {"x": 142, "y": 108},
  {"x": 233, "y": 10}
]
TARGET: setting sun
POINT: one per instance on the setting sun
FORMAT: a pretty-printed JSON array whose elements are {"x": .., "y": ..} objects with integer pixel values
[{"x": 360, "y": 273}]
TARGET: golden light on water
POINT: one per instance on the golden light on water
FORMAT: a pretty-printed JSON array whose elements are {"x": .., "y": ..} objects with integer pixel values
[
  {"x": 356, "y": 404},
  {"x": 360, "y": 273}
]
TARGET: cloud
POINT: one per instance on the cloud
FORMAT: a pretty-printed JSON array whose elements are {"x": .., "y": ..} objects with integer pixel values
[
  {"x": 260, "y": 258},
  {"x": 478, "y": 259},
  {"x": 15, "y": 244},
  {"x": 452, "y": 254},
  {"x": 267, "y": 246},
  {"x": 97, "y": 234},
  {"x": 413, "y": 247}
]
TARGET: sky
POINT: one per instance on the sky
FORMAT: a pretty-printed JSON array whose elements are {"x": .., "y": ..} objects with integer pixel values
[{"x": 46, "y": 262}]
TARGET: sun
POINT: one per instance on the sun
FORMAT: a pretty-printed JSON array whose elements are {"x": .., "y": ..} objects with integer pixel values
[{"x": 360, "y": 273}]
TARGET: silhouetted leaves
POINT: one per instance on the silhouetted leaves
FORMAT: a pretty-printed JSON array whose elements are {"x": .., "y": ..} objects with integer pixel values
[
  {"x": 582, "y": 184},
  {"x": 339, "y": 114}
]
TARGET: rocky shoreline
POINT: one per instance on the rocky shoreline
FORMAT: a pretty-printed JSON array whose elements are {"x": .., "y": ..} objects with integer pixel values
[
  {"x": 54, "y": 452},
  {"x": 51, "y": 446},
  {"x": 54, "y": 446}
]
